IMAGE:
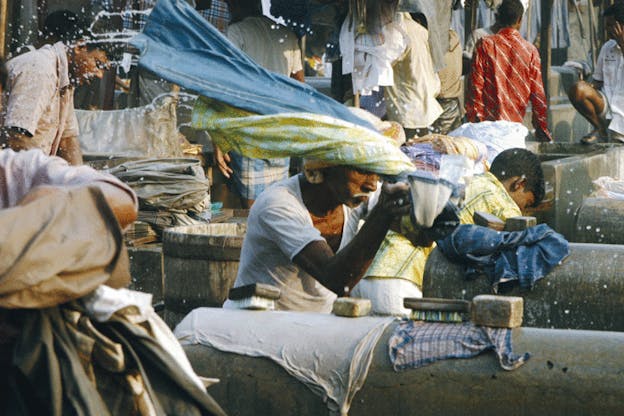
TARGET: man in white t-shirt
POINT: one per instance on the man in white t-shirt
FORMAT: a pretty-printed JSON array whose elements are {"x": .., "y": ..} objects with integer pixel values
[
  {"x": 602, "y": 102},
  {"x": 302, "y": 234}
]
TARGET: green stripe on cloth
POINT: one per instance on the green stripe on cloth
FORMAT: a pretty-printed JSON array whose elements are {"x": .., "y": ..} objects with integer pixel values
[{"x": 303, "y": 135}]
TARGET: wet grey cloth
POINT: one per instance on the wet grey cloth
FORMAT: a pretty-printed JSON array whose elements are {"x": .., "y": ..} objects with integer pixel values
[
  {"x": 415, "y": 344},
  {"x": 331, "y": 369},
  {"x": 523, "y": 256},
  {"x": 176, "y": 185},
  {"x": 438, "y": 14}
]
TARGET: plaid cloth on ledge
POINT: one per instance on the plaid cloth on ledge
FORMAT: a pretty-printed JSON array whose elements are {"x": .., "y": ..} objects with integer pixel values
[{"x": 415, "y": 344}]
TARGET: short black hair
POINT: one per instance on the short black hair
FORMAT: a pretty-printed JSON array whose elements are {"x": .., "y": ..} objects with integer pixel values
[
  {"x": 523, "y": 163},
  {"x": 616, "y": 10},
  {"x": 4, "y": 74},
  {"x": 509, "y": 12},
  {"x": 65, "y": 26}
]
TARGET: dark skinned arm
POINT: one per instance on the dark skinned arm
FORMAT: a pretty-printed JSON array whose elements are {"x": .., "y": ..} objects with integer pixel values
[
  {"x": 69, "y": 149},
  {"x": 341, "y": 271}
]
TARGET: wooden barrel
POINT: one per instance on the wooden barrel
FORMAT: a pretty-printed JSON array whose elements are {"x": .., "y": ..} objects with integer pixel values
[
  {"x": 200, "y": 266},
  {"x": 600, "y": 220}
]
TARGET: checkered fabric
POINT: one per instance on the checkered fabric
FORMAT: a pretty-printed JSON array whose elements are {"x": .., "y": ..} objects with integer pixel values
[
  {"x": 218, "y": 15},
  {"x": 415, "y": 344},
  {"x": 252, "y": 176}
]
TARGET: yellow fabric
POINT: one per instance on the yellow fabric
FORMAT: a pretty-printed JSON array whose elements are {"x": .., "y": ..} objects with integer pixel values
[
  {"x": 398, "y": 258},
  {"x": 306, "y": 135},
  {"x": 485, "y": 193}
]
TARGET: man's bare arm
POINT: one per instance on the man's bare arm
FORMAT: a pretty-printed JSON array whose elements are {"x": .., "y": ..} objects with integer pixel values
[
  {"x": 69, "y": 149},
  {"x": 341, "y": 271}
]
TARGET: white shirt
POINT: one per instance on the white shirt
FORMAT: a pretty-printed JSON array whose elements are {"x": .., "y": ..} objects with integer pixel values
[
  {"x": 39, "y": 98},
  {"x": 278, "y": 228},
  {"x": 272, "y": 46},
  {"x": 610, "y": 70},
  {"x": 412, "y": 100}
]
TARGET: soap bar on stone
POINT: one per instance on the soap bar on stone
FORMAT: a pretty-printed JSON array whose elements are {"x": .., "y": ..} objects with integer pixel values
[
  {"x": 485, "y": 219},
  {"x": 351, "y": 307},
  {"x": 519, "y": 223},
  {"x": 497, "y": 311}
]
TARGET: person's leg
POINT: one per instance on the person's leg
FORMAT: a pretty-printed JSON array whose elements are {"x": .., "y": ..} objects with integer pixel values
[{"x": 590, "y": 103}]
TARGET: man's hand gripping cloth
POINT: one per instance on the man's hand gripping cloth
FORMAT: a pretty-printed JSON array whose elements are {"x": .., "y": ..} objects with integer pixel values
[
  {"x": 416, "y": 344},
  {"x": 306, "y": 135},
  {"x": 525, "y": 256}
]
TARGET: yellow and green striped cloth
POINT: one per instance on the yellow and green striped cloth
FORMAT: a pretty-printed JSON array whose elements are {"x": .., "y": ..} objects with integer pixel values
[{"x": 305, "y": 135}]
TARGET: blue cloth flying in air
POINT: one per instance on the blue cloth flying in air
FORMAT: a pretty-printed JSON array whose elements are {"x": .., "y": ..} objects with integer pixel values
[{"x": 180, "y": 46}]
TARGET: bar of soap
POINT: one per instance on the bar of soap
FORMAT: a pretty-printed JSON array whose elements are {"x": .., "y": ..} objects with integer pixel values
[
  {"x": 519, "y": 223},
  {"x": 351, "y": 307},
  {"x": 485, "y": 219},
  {"x": 260, "y": 290},
  {"x": 497, "y": 311}
]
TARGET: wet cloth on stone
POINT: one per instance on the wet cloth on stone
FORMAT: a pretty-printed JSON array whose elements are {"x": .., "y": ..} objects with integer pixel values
[
  {"x": 305, "y": 135},
  {"x": 176, "y": 34},
  {"x": 333, "y": 370},
  {"x": 50, "y": 252},
  {"x": 524, "y": 256},
  {"x": 415, "y": 344}
]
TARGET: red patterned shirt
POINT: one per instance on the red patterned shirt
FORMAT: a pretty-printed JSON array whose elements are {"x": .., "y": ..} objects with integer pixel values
[{"x": 506, "y": 74}]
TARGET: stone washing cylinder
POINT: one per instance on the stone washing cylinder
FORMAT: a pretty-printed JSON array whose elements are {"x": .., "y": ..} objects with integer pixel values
[
  {"x": 569, "y": 373},
  {"x": 586, "y": 291},
  {"x": 600, "y": 220},
  {"x": 200, "y": 266}
]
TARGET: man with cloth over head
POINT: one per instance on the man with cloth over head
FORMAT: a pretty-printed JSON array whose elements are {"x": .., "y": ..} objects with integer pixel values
[{"x": 302, "y": 234}]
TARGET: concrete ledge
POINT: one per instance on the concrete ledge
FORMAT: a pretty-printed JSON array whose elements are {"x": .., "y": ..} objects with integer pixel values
[
  {"x": 569, "y": 373},
  {"x": 585, "y": 292}
]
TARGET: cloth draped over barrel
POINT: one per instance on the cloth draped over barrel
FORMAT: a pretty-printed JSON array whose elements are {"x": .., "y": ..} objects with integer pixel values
[
  {"x": 523, "y": 256},
  {"x": 148, "y": 131},
  {"x": 333, "y": 370},
  {"x": 180, "y": 46}
]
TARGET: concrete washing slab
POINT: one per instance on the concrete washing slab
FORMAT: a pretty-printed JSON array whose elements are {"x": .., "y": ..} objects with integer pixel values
[
  {"x": 570, "y": 373},
  {"x": 585, "y": 292}
]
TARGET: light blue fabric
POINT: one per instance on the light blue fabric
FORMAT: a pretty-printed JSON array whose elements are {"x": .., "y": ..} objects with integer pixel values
[
  {"x": 523, "y": 256},
  {"x": 180, "y": 46}
]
